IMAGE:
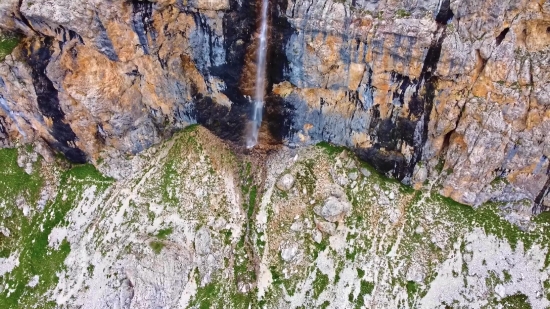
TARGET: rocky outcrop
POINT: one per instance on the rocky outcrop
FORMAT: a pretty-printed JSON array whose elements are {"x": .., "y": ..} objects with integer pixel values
[
  {"x": 447, "y": 94},
  {"x": 193, "y": 224}
]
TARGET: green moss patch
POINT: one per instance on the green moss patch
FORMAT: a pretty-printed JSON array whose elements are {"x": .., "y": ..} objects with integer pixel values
[{"x": 7, "y": 43}]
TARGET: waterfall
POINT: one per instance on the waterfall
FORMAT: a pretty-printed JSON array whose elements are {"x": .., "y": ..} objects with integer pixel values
[{"x": 257, "y": 109}]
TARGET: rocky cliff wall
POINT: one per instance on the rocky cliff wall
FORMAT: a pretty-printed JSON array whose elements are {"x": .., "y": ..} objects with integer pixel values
[{"x": 447, "y": 94}]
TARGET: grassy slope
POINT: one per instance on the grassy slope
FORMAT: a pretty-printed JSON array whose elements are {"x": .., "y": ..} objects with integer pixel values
[{"x": 29, "y": 235}]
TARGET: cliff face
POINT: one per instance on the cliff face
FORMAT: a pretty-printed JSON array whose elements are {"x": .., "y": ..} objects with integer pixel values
[{"x": 447, "y": 94}]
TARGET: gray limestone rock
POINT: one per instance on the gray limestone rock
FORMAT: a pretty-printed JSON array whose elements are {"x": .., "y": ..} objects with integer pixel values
[
  {"x": 334, "y": 209},
  {"x": 289, "y": 250},
  {"x": 203, "y": 241},
  {"x": 326, "y": 227},
  {"x": 286, "y": 182}
]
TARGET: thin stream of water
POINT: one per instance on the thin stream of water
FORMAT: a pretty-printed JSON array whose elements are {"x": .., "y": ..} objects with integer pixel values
[{"x": 256, "y": 119}]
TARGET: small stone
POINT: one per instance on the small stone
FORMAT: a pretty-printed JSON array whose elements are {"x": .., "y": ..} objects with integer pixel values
[
  {"x": 34, "y": 281},
  {"x": 297, "y": 226},
  {"x": 419, "y": 230},
  {"x": 317, "y": 236},
  {"x": 353, "y": 176},
  {"x": 342, "y": 180},
  {"x": 220, "y": 223},
  {"x": 334, "y": 210},
  {"x": 383, "y": 200},
  {"x": 365, "y": 172},
  {"x": 337, "y": 192},
  {"x": 500, "y": 290},
  {"x": 4, "y": 231},
  {"x": 317, "y": 210},
  {"x": 286, "y": 182},
  {"x": 392, "y": 196},
  {"x": 289, "y": 250},
  {"x": 326, "y": 227}
]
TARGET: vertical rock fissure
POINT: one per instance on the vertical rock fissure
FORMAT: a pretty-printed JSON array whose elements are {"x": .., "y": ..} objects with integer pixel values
[
  {"x": 142, "y": 22},
  {"x": 539, "y": 207},
  {"x": 38, "y": 58},
  {"x": 429, "y": 80}
]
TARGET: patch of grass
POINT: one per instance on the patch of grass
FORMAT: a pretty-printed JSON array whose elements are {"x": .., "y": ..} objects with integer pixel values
[
  {"x": 360, "y": 273},
  {"x": 36, "y": 256},
  {"x": 306, "y": 177},
  {"x": 507, "y": 276},
  {"x": 439, "y": 165},
  {"x": 351, "y": 253},
  {"x": 157, "y": 246},
  {"x": 320, "y": 284},
  {"x": 330, "y": 149},
  {"x": 252, "y": 201},
  {"x": 402, "y": 13},
  {"x": 191, "y": 128},
  {"x": 276, "y": 275},
  {"x": 487, "y": 218},
  {"x": 226, "y": 236},
  {"x": 7, "y": 43},
  {"x": 319, "y": 247},
  {"x": 207, "y": 297},
  {"x": 515, "y": 301},
  {"x": 15, "y": 182},
  {"x": 90, "y": 270},
  {"x": 366, "y": 287},
  {"x": 16, "y": 187},
  {"x": 412, "y": 289},
  {"x": 543, "y": 218},
  {"x": 164, "y": 233}
]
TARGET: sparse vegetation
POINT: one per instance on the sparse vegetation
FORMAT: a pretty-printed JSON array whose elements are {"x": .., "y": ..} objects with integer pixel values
[
  {"x": 36, "y": 256},
  {"x": 387, "y": 220},
  {"x": 402, "y": 13},
  {"x": 8, "y": 42},
  {"x": 157, "y": 246},
  {"x": 164, "y": 233}
]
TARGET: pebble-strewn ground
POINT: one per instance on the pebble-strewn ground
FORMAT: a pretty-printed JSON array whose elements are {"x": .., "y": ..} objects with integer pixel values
[{"x": 195, "y": 224}]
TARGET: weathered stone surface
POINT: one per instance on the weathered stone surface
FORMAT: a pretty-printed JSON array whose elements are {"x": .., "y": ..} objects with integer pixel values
[
  {"x": 436, "y": 91},
  {"x": 334, "y": 209},
  {"x": 326, "y": 227},
  {"x": 286, "y": 182},
  {"x": 203, "y": 241},
  {"x": 289, "y": 251}
]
